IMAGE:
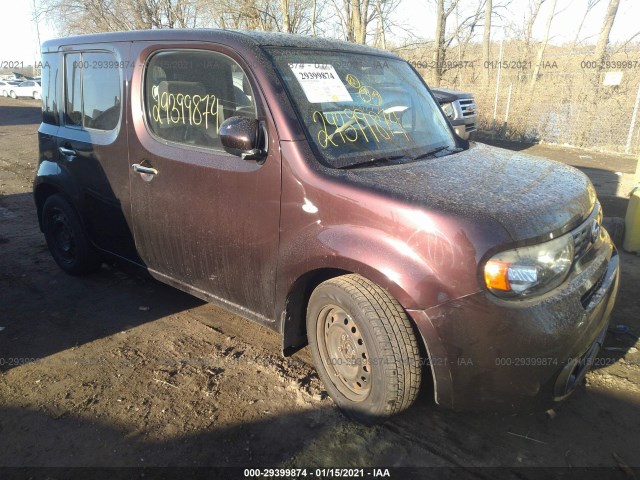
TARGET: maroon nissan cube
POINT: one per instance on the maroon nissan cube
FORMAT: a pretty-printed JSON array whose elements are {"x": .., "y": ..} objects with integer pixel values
[{"x": 316, "y": 187}]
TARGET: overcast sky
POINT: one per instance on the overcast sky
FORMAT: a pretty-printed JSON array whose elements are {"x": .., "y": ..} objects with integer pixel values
[{"x": 18, "y": 38}]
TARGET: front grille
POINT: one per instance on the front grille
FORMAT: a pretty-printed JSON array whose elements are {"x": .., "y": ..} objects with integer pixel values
[
  {"x": 582, "y": 240},
  {"x": 468, "y": 107},
  {"x": 582, "y": 235}
]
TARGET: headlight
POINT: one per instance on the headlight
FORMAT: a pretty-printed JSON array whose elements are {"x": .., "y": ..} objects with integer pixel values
[
  {"x": 529, "y": 270},
  {"x": 448, "y": 110}
]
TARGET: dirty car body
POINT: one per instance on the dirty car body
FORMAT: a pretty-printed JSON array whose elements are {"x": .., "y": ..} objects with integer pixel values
[{"x": 353, "y": 173}]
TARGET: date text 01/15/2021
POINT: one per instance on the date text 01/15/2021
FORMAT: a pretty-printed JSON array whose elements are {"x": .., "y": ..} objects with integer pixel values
[{"x": 316, "y": 472}]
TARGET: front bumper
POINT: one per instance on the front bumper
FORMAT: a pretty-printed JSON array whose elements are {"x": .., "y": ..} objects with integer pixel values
[
  {"x": 488, "y": 353},
  {"x": 465, "y": 128}
]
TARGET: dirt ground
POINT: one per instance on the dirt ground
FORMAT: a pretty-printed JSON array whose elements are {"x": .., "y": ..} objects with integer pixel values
[{"x": 117, "y": 369}]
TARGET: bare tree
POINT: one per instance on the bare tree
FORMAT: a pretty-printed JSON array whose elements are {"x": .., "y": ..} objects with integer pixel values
[
  {"x": 355, "y": 19},
  {"x": 300, "y": 16},
  {"x": 534, "y": 10},
  {"x": 590, "y": 5},
  {"x": 543, "y": 45},
  {"x": 381, "y": 37},
  {"x": 383, "y": 17},
  {"x": 91, "y": 16},
  {"x": 360, "y": 19},
  {"x": 463, "y": 33},
  {"x": 486, "y": 39},
  {"x": 603, "y": 39},
  {"x": 314, "y": 17},
  {"x": 439, "y": 49},
  {"x": 248, "y": 14}
]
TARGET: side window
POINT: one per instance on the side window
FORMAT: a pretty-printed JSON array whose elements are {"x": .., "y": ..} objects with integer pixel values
[
  {"x": 100, "y": 90},
  {"x": 72, "y": 90},
  {"x": 50, "y": 85},
  {"x": 92, "y": 90},
  {"x": 189, "y": 93}
]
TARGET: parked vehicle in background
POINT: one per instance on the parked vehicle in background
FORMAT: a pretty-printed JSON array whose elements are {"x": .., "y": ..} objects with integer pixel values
[
  {"x": 460, "y": 108},
  {"x": 5, "y": 88},
  {"x": 315, "y": 187},
  {"x": 30, "y": 88}
]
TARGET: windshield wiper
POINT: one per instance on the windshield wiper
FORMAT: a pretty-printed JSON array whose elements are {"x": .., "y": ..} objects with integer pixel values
[
  {"x": 373, "y": 162},
  {"x": 434, "y": 153}
]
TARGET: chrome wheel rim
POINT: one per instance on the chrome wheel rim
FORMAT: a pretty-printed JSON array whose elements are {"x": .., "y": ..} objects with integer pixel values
[{"x": 344, "y": 353}]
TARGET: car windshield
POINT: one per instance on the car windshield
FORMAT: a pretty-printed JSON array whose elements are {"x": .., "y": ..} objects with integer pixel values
[{"x": 362, "y": 109}]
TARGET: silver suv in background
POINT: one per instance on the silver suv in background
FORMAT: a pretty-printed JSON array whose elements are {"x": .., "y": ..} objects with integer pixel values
[{"x": 460, "y": 108}]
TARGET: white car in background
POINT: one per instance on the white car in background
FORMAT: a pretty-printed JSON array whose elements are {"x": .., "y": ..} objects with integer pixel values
[
  {"x": 6, "y": 86},
  {"x": 30, "y": 88}
]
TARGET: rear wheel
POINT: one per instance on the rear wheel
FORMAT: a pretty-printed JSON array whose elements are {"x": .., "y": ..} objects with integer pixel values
[
  {"x": 36, "y": 96},
  {"x": 364, "y": 348},
  {"x": 66, "y": 239},
  {"x": 13, "y": 94}
]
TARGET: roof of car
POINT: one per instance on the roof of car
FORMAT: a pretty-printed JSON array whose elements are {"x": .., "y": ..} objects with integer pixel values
[{"x": 255, "y": 38}]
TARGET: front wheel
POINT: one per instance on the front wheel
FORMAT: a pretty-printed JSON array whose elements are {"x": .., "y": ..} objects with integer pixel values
[
  {"x": 66, "y": 239},
  {"x": 364, "y": 348},
  {"x": 13, "y": 94}
]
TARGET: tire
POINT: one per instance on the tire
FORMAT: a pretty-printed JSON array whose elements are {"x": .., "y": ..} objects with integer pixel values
[
  {"x": 66, "y": 239},
  {"x": 12, "y": 94},
  {"x": 36, "y": 96},
  {"x": 364, "y": 348}
]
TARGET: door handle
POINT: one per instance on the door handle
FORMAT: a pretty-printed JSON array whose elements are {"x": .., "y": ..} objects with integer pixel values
[
  {"x": 141, "y": 169},
  {"x": 66, "y": 151}
]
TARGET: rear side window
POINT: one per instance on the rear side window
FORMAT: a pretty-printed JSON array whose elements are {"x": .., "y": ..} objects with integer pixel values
[
  {"x": 73, "y": 91},
  {"x": 92, "y": 90},
  {"x": 50, "y": 86},
  {"x": 189, "y": 93}
]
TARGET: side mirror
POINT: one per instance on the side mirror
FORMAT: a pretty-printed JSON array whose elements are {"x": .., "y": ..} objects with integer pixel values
[{"x": 244, "y": 137}]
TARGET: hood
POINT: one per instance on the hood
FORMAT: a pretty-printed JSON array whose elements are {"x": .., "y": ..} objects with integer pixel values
[{"x": 529, "y": 196}]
